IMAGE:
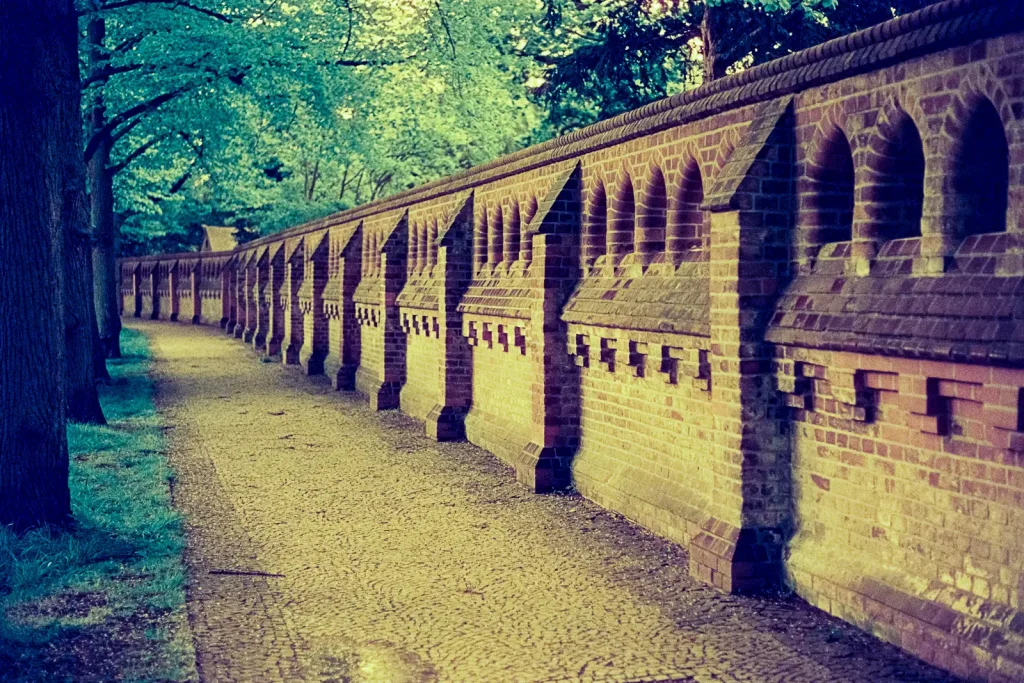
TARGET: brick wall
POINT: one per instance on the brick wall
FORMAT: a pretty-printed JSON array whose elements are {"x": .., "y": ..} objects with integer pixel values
[{"x": 776, "y": 319}]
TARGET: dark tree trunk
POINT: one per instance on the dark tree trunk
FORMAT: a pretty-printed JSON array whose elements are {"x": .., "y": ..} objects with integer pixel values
[
  {"x": 713, "y": 66},
  {"x": 99, "y": 358},
  {"x": 79, "y": 318},
  {"x": 38, "y": 63},
  {"x": 101, "y": 209}
]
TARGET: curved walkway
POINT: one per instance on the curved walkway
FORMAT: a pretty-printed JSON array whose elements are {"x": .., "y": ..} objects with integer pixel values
[{"x": 330, "y": 543}]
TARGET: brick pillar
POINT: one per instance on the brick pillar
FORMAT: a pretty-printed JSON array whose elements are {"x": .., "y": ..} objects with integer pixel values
[
  {"x": 315, "y": 335},
  {"x": 276, "y": 322},
  {"x": 227, "y": 289},
  {"x": 154, "y": 290},
  {"x": 262, "y": 298},
  {"x": 137, "y": 291},
  {"x": 293, "y": 324},
  {"x": 544, "y": 464},
  {"x": 381, "y": 372},
  {"x": 446, "y": 420},
  {"x": 173, "y": 283},
  {"x": 739, "y": 546},
  {"x": 226, "y": 294},
  {"x": 195, "y": 285},
  {"x": 251, "y": 305},
  {"x": 342, "y": 361},
  {"x": 241, "y": 265}
]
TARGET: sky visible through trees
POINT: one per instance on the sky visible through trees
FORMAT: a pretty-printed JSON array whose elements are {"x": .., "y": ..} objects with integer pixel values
[{"x": 265, "y": 113}]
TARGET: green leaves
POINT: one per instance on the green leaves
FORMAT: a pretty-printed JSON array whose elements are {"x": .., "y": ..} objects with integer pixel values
[{"x": 283, "y": 111}]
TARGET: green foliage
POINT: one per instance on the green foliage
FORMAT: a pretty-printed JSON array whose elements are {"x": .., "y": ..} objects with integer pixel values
[
  {"x": 605, "y": 57},
  {"x": 284, "y": 112},
  {"x": 281, "y": 112},
  {"x": 66, "y": 597}
]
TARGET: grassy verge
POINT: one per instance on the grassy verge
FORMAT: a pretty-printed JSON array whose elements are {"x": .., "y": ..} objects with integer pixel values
[{"x": 104, "y": 601}]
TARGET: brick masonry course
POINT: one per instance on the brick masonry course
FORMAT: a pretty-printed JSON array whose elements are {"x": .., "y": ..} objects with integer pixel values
[{"x": 776, "y": 319}]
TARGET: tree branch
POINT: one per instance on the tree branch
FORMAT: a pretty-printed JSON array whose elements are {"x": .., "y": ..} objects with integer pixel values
[
  {"x": 108, "y": 71},
  {"x": 172, "y": 3},
  {"x": 136, "y": 153},
  {"x": 447, "y": 28},
  {"x": 128, "y": 114}
]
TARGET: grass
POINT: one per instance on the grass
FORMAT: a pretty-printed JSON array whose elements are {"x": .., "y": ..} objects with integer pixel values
[{"x": 104, "y": 600}]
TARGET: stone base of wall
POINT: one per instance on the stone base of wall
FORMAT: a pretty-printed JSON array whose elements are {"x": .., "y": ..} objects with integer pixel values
[
  {"x": 382, "y": 395},
  {"x": 311, "y": 361},
  {"x": 974, "y": 638},
  {"x": 653, "y": 503},
  {"x": 445, "y": 423},
  {"x": 415, "y": 403},
  {"x": 290, "y": 354},
  {"x": 492, "y": 433},
  {"x": 343, "y": 377}
]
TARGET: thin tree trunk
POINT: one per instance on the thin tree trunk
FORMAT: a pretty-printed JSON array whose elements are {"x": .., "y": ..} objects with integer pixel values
[
  {"x": 101, "y": 209},
  {"x": 39, "y": 62},
  {"x": 344, "y": 182},
  {"x": 99, "y": 359},
  {"x": 83, "y": 402},
  {"x": 713, "y": 66}
]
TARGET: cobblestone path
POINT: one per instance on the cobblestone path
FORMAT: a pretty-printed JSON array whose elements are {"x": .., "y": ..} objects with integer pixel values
[{"x": 330, "y": 543}]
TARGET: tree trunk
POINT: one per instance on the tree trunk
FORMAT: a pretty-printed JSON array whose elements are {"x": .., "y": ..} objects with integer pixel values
[
  {"x": 99, "y": 359},
  {"x": 39, "y": 62},
  {"x": 83, "y": 401},
  {"x": 101, "y": 209},
  {"x": 713, "y": 67}
]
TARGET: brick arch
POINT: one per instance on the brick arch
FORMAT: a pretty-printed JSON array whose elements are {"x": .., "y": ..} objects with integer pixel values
[
  {"x": 687, "y": 221},
  {"x": 621, "y": 219},
  {"x": 651, "y": 216},
  {"x": 413, "y": 259},
  {"x": 526, "y": 230},
  {"x": 825, "y": 183},
  {"x": 480, "y": 240},
  {"x": 511, "y": 232},
  {"x": 977, "y": 189},
  {"x": 432, "y": 233},
  {"x": 981, "y": 81},
  {"x": 595, "y": 224},
  {"x": 494, "y": 241},
  {"x": 826, "y": 188},
  {"x": 422, "y": 237}
]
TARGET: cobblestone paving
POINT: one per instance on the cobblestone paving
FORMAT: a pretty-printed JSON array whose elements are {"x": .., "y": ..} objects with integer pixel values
[{"x": 330, "y": 543}]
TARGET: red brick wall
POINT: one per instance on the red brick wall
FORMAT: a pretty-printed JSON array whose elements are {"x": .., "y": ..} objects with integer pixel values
[{"x": 776, "y": 319}]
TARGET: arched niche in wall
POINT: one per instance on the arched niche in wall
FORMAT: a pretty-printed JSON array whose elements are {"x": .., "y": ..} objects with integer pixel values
[
  {"x": 621, "y": 220},
  {"x": 526, "y": 231},
  {"x": 828, "y": 191},
  {"x": 480, "y": 241},
  {"x": 651, "y": 217},
  {"x": 422, "y": 238},
  {"x": 432, "y": 244},
  {"x": 687, "y": 221},
  {"x": 413, "y": 256},
  {"x": 511, "y": 232},
  {"x": 892, "y": 195},
  {"x": 980, "y": 171},
  {"x": 494, "y": 241},
  {"x": 595, "y": 225}
]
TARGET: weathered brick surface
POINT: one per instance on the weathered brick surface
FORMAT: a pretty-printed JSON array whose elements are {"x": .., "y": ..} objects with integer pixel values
[{"x": 776, "y": 319}]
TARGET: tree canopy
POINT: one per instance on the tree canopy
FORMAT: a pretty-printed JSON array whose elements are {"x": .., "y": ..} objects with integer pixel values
[{"x": 266, "y": 113}]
